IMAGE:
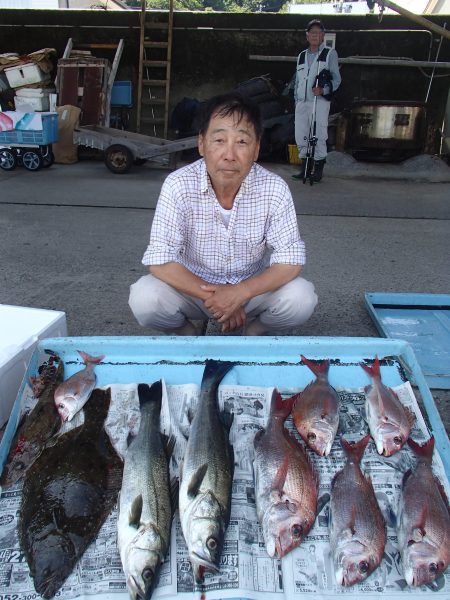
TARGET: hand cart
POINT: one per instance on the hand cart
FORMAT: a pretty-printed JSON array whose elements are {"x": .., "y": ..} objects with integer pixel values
[
  {"x": 29, "y": 148},
  {"x": 122, "y": 149}
]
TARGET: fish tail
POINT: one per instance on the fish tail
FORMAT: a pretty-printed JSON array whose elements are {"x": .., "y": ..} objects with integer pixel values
[
  {"x": 374, "y": 370},
  {"x": 215, "y": 370},
  {"x": 355, "y": 450},
  {"x": 279, "y": 407},
  {"x": 93, "y": 360},
  {"x": 150, "y": 394},
  {"x": 424, "y": 451},
  {"x": 318, "y": 368}
]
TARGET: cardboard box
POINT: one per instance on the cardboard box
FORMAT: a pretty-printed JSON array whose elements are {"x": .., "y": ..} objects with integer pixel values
[
  {"x": 21, "y": 329},
  {"x": 25, "y": 74}
]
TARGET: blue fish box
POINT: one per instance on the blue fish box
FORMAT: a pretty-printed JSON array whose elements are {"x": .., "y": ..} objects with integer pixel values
[
  {"x": 260, "y": 361},
  {"x": 121, "y": 94}
]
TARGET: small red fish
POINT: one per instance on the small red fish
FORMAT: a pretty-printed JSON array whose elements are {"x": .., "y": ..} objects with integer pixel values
[
  {"x": 424, "y": 520},
  {"x": 316, "y": 410},
  {"x": 389, "y": 421},
  {"x": 72, "y": 394}
]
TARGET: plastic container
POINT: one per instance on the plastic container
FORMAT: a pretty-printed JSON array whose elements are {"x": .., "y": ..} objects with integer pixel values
[
  {"x": 293, "y": 154},
  {"x": 121, "y": 94},
  {"x": 25, "y": 74},
  {"x": 47, "y": 135},
  {"x": 21, "y": 329}
]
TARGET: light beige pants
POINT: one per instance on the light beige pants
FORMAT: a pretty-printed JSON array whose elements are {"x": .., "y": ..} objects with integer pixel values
[
  {"x": 157, "y": 305},
  {"x": 303, "y": 118}
]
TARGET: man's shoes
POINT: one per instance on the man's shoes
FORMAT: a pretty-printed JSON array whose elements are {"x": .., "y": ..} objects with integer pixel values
[
  {"x": 318, "y": 170},
  {"x": 301, "y": 174}
]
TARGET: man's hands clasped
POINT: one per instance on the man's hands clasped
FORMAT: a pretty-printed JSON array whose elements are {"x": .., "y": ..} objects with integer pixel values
[{"x": 225, "y": 302}]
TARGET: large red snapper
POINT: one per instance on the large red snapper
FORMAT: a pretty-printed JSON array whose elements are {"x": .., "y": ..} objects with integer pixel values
[
  {"x": 357, "y": 528},
  {"x": 285, "y": 483},
  {"x": 72, "y": 394},
  {"x": 424, "y": 520},
  {"x": 316, "y": 410},
  {"x": 389, "y": 421}
]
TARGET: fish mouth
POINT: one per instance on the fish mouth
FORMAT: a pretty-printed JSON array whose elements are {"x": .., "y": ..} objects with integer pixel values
[
  {"x": 339, "y": 574},
  {"x": 204, "y": 562}
]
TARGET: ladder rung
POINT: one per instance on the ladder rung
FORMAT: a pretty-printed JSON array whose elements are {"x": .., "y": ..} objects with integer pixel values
[
  {"x": 156, "y": 44},
  {"x": 152, "y": 121},
  {"x": 156, "y": 82},
  {"x": 156, "y": 25},
  {"x": 153, "y": 101},
  {"x": 154, "y": 63}
]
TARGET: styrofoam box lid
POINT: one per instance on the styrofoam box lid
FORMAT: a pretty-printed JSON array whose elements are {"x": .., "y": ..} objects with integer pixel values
[
  {"x": 21, "y": 326},
  {"x": 34, "y": 92}
]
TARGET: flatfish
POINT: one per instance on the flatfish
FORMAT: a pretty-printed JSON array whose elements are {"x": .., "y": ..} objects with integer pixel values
[{"x": 67, "y": 495}]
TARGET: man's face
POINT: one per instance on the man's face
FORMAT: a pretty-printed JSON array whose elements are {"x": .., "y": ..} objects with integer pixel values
[
  {"x": 229, "y": 148},
  {"x": 315, "y": 36}
]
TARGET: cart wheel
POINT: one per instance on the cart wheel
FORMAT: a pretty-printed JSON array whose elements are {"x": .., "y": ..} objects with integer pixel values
[
  {"x": 32, "y": 161},
  {"x": 8, "y": 160},
  {"x": 49, "y": 159},
  {"x": 118, "y": 158}
]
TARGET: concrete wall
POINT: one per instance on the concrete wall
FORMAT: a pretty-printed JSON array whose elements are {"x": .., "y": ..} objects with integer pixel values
[{"x": 211, "y": 50}]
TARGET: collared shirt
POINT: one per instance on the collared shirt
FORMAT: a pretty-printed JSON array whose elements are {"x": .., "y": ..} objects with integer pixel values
[
  {"x": 307, "y": 72},
  {"x": 188, "y": 227}
]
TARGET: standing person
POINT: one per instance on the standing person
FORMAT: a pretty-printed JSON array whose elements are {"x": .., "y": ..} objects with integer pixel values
[
  {"x": 318, "y": 76},
  {"x": 224, "y": 240}
]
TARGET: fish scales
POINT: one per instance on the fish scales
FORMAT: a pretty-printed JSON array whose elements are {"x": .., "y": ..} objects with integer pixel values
[
  {"x": 144, "y": 532},
  {"x": 36, "y": 428},
  {"x": 206, "y": 476},
  {"x": 285, "y": 483},
  {"x": 357, "y": 530},
  {"x": 67, "y": 495},
  {"x": 424, "y": 520}
]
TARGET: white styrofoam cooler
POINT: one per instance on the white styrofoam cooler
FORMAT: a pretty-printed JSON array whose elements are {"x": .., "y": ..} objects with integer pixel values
[
  {"x": 20, "y": 330},
  {"x": 25, "y": 103},
  {"x": 25, "y": 74}
]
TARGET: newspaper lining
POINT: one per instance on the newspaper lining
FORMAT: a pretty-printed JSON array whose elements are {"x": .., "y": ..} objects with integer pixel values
[{"x": 246, "y": 570}]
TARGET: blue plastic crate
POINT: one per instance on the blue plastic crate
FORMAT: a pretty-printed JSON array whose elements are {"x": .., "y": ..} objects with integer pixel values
[
  {"x": 121, "y": 94},
  {"x": 48, "y": 134}
]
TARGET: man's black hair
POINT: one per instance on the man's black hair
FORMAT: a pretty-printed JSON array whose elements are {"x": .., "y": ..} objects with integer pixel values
[
  {"x": 316, "y": 23},
  {"x": 230, "y": 104}
]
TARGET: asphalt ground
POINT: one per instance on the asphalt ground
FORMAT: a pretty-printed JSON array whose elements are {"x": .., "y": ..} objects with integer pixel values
[{"x": 72, "y": 238}]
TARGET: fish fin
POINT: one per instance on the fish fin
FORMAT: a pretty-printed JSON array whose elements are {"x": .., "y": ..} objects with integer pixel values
[
  {"x": 174, "y": 492},
  {"x": 418, "y": 533},
  {"x": 226, "y": 418},
  {"x": 258, "y": 435},
  {"x": 279, "y": 407},
  {"x": 134, "y": 516},
  {"x": 196, "y": 480},
  {"x": 441, "y": 491},
  {"x": 190, "y": 414},
  {"x": 87, "y": 359},
  {"x": 280, "y": 476},
  {"x": 374, "y": 370},
  {"x": 169, "y": 444},
  {"x": 150, "y": 393},
  {"x": 347, "y": 533},
  {"x": 318, "y": 368},
  {"x": 355, "y": 450},
  {"x": 424, "y": 451}
]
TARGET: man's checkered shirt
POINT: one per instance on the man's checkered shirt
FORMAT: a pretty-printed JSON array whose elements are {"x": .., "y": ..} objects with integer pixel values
[{"x": 188, "y": 227}]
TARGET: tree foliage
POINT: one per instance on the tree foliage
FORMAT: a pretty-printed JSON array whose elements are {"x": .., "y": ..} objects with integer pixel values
[{"x": 239, "y": 6}]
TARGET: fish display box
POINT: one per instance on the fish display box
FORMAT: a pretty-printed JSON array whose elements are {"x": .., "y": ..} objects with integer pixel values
[
  {"x": 246, "y": 571},
  {"x": 21, "y": 329}
]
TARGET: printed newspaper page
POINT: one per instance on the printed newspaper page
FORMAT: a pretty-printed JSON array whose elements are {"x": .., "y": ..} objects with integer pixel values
[{"x": 246, "y": 571}]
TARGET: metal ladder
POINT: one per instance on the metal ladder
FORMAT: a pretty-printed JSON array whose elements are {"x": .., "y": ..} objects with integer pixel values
[{"x": 155, "y": 53}]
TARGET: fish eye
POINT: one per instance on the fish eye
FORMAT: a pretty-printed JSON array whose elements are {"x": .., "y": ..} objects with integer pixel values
[
  {"x": 363, "y": 566},
  {"x": 311, "y": 436},
  {"x": 398, "y": 440},
  {"x": 47, "y": 572},
  {"x": 211, "y": 543},
  {"x": 433, "y": 568},
  {"x": 20, "y": 466},
  {"x": 147, "y": 574},
  {"x": 61, "y": 405},
  {"x": 296, "y": 530}
]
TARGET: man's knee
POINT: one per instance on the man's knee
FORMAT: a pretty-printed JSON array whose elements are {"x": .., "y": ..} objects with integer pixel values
[
  {"x": 302, "y": 299},
  {"x": 142, "y": 301}
]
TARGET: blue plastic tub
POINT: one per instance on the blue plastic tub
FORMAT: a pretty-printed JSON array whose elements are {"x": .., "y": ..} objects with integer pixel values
[
  {"x": 262, "y": 361},
  {"x": 121, "y": 94},
  {"x": 48, "y": 134}
]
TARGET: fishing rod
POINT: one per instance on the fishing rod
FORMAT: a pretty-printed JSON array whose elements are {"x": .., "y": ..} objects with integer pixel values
[{"x": 312, "y": 137}]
